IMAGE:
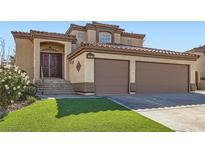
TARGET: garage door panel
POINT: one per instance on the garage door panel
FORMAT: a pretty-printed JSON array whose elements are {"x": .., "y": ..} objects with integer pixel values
[
  {"x": 161, "y": 78},
  {"x": 111, "y": 76}
]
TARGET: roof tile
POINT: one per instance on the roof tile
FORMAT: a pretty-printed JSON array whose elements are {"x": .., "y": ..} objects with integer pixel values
[
  {"x": 135, "y": 49},
  {"x": 34, "y": 33}
]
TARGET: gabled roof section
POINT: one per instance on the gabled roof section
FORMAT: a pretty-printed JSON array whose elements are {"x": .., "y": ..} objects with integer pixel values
[
  {"x": 75, "y": 27},
  {"x": 131, "y": 50},
  {"x": 94, "y": 25},
  {"x": 44, "y": 35}
]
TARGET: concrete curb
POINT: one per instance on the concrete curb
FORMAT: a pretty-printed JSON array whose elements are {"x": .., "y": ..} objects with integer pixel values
[{"x": 120, "y": 103}]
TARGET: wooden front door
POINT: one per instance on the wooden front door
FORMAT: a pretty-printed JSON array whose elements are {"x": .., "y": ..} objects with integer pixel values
[{"x": 51, "y": 64}]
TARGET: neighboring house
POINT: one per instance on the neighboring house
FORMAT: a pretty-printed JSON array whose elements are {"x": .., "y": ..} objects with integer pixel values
[
  {"x": 199, "y": 66},
  {"x": 104, "y": 59}
]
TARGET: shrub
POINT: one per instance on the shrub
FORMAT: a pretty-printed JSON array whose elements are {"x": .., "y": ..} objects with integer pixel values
[
  {"x": 13, "y": 82},
  {"x": 30, "y": 99},
  {"x": 30, "y": 90}
]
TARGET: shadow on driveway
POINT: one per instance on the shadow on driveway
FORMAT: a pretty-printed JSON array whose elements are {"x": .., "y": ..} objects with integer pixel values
[{"x": 151, "y": 101}]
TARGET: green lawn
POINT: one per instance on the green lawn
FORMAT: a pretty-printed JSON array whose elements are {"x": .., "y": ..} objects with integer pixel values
[{"x": 77, "y": 115}]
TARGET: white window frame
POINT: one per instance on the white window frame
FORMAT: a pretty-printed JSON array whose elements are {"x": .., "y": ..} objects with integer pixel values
[{"x": 105, "y": 37}]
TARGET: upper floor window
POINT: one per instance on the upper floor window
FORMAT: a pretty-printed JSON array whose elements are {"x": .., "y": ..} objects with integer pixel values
[
  {"x": 80, "y": 35},
  {"x": 105, "y": 37},
  {"x": 129, "y": 41}
]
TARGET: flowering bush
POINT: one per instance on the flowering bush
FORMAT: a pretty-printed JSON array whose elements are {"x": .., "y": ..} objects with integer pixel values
[{"x": 13, "y": 82}]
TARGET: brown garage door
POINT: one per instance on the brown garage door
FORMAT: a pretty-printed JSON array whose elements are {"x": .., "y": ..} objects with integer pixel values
[
  {"x": 161, "y": 78},
  {"x": 111, "y": 76}
]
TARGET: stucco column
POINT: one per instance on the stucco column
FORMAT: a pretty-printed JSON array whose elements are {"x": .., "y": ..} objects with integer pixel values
[
  {"x": 89, "y": 70},
  {"x": 65, "y": 61},
  {"x": 132, "y": 76},
  {"x": 36, "y": 60},
  {"x": 192, "y": 80},
  {"x": 192, "y": 73}
]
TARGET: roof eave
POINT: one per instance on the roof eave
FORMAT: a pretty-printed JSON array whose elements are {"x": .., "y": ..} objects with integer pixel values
[
  {"x": 22, "y": 35},
  {"x": 133, "y": 35},
  {"x": 75, "y": 27},
  {"x": 44, "y": 35},
  {"x": 82, "y": 49},
  {"x": 66, "y": 39}
]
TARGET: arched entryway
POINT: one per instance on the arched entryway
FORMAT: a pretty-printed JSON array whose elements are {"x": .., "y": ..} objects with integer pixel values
[{"x": 51, "y": 59}]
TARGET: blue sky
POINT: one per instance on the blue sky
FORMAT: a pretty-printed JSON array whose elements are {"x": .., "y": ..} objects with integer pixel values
[{"x": 177, "y": 36}]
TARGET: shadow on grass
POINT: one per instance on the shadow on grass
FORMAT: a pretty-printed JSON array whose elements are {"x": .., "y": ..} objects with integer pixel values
[
  {"x": 68, "y": 107},
  {"x": 2, "y": 116}
]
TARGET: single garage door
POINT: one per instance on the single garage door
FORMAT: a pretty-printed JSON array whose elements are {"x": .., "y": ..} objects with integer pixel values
[
  {"x": 161, "y": 78},
  {"x": 111, "y": 76}
]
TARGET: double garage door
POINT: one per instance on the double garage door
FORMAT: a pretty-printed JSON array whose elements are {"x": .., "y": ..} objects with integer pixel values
[{"x": 112, "y": 77}]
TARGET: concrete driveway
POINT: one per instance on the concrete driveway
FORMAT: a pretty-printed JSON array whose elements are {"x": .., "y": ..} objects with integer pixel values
[{"x": 181, "y": 112}]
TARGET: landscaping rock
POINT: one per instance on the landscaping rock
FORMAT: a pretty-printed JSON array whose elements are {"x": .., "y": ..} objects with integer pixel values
[{"x": 15, "y": 106}]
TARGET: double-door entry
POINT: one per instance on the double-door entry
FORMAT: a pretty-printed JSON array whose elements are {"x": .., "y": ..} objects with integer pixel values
[{"x": 51, "y": 64}]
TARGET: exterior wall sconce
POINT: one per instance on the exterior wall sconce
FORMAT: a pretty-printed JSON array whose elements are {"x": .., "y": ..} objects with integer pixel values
[{"x": 90, "y": 55}]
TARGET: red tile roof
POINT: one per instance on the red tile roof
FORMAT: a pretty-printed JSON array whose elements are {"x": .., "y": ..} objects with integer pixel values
[
  {"x": 42, "y": 34},
  {"x": 134, "y": 35},
  {"x": 139, "y": 51},
  {"x": 109, "y": 25}
]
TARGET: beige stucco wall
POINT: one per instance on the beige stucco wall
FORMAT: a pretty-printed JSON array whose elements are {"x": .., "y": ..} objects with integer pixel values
[
  {"x": 25, "y": 56},
  {"x": 89, "y": 73},
  {"x": 135, "y": 42},
  {"x": 117, "y": 38},
  {"x": 74, "y": 75},
  {"x": 67, "y": 47},
  {"x": 91, "y": 36}
]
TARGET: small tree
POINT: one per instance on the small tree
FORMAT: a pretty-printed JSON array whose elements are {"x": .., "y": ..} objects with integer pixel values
[
  {"x": 6, "y": 56},
  {"x": 2, "y": 50}
]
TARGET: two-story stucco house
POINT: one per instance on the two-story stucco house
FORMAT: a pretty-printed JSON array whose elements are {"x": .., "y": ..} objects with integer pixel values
[{"x": 104, "y": 59}]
